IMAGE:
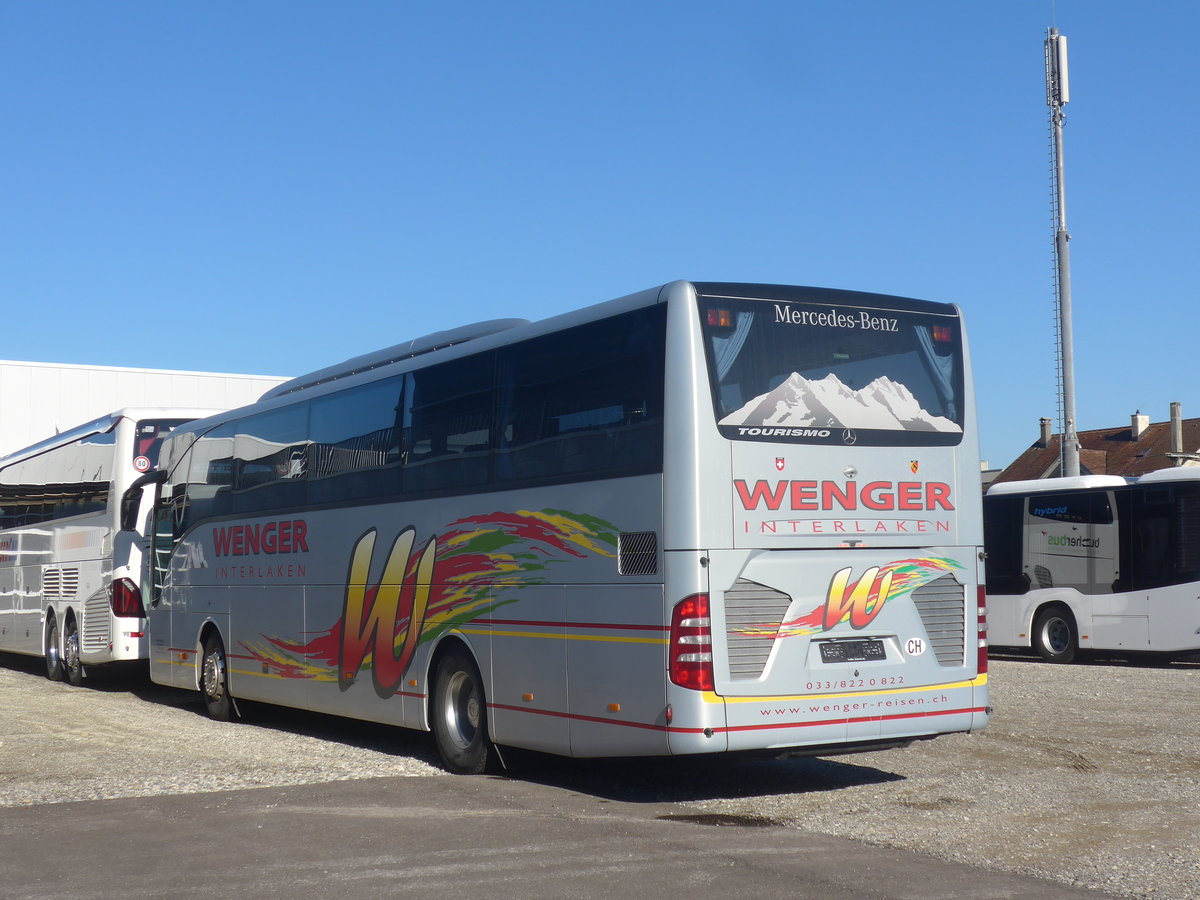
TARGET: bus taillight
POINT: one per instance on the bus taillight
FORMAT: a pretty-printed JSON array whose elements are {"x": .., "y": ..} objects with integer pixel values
[
  {"x": 691, "y": 664},
  {"x": 983, "y": 643},
  {"x": 126, "y": 599}
]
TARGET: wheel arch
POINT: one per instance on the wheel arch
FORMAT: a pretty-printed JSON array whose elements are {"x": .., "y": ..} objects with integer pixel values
[
  {"x": 207, "y": 627},
  {"x": 1079, "y": 617},
  {"x": 447, "y": 644},
  {"x": 1068, "y": 600}
]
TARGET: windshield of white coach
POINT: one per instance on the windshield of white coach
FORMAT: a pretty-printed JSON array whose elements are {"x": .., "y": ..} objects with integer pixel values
[
  {"x": 148, "y": 441},
  {"x": 816, "y": 373}
]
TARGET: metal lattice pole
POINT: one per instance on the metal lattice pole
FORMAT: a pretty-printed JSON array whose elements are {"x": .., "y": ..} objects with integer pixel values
[{"x": 1057, "y": 96}]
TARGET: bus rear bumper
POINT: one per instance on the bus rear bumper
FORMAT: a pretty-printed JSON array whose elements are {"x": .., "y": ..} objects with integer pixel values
[{"x": 830, "y": 722}]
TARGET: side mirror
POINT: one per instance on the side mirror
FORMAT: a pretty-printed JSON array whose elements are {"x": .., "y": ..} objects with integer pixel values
[{"x": 131, "y": 500}]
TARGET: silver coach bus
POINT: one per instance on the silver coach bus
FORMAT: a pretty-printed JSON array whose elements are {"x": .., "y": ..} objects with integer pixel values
[
  {"x": 701, "y": 518},
  {"x": 70, "y": 585}
]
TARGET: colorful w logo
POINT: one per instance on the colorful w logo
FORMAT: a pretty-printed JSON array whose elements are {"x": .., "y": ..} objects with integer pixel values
[
  {"x": 384, "y": 622},
  {"x": 861, "y": 603}
]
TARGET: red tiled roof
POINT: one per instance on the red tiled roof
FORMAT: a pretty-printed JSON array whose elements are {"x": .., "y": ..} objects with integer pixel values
[{"x": 1108, "y": 451}]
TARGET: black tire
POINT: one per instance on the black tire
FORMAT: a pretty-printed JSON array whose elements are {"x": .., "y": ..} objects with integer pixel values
[
  {"x": 1055, "y": 635},
  {"x": 53, "y": 649},
  {"x": 72, "y": 667},
  {"x": 214, "y": 680},
  {"x": 459, "y": 715}
]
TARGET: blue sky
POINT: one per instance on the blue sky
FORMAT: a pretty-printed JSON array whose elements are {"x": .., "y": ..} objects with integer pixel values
[{"x": 271, "y": 187}]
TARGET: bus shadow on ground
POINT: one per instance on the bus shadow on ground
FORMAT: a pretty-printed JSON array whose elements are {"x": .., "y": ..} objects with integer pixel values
[
  {"x": 694, "y": 778},
  {"x": 629, "y": 780}
]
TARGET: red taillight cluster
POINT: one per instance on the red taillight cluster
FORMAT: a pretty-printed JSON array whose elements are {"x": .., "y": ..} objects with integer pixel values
[
  {"x": 691, "y": 664},
  {"x": 983, "y": 644},
  {"x": 720, "y": 318},
  {"x": 126, "y": 599}
]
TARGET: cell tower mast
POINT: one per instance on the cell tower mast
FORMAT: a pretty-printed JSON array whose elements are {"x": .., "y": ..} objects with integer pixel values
[{"x": 1057, "y": 96}]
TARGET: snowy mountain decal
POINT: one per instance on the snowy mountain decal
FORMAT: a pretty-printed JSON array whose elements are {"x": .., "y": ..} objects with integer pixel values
[{"x": 883, "y": 404}]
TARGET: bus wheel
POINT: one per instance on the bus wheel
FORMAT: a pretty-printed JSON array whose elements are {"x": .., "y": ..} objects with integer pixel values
[
  {"x": 1054, "y": 635},
  {"x": 460, "y": 715},
  {"x": 54, "y": 663},
  {"x": 72, "y": 667},
  {"x": 214, "y": 679}
]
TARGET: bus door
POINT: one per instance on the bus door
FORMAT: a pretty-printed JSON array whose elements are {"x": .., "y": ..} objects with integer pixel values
[{"x": 158, "y": 612}]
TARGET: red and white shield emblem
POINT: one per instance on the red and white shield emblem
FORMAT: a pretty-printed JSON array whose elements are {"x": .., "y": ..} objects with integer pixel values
[{"x": 779, "y": 463}]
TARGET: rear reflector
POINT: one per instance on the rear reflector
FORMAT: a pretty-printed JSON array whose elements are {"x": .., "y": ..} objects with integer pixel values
[{"x": 983, "y": 643}]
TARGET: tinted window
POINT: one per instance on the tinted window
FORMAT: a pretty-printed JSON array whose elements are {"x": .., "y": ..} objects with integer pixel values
[
  {"x": 149, "y": 436},
  {"x": 355, "y": 449},
  {"x": 576, "y": 405},
  {"x": 808, "y": 372},
  {"x": 1083, "y": 508},
  {"x": 1165, "y": 535},
  {"x": 207, "y": 488},
  {"x": 71, "y": 480},
  {"x": 448, "y": 425},
  {"x": 271, "y": 459},
  {"x": 1002, "y": 535},
  {"x": 584, "y": 403}
]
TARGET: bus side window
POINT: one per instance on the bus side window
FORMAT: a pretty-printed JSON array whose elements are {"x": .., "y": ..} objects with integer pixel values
[
  {"x": 355, "y": 442},
  {"x": 209, "y": 478},
  {"x": 270, "y": 460},
  {"x": 448, "y": 425},
  {"x": 586, "y": 402}
]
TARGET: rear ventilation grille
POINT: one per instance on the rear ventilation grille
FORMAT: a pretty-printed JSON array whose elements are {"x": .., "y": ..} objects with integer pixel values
[
  {"x": 753, "y": 614},
  {"x": 942, "y": 608},
  {"x": 637, "y": 553},
  {"x": 97, "y": 622}
]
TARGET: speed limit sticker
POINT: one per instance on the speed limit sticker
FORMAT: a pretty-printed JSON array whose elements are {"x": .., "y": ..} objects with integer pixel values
[
  {"x": 914, "y": 647},
  {"x": 142, "y": 464}
]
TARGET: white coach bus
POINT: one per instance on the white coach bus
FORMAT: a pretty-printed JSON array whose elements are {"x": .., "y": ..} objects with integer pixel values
[
  {"x": 70, "y": 584},
  {"x": 701, "y": 518},
  {"x": 1095, "y": 562}
]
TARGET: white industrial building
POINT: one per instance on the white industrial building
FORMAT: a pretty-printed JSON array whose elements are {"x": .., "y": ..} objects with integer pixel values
[{"x": 37, "y": 400}]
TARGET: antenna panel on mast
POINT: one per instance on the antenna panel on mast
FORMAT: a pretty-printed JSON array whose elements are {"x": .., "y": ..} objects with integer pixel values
[{"x": 1064, "y": 90}]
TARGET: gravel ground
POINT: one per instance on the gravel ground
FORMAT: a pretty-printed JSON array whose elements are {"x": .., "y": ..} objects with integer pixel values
[{"x": 1087, "y": 775}]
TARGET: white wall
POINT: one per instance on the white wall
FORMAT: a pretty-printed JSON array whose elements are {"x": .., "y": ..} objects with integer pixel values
[{"x": 39, "y": 399}]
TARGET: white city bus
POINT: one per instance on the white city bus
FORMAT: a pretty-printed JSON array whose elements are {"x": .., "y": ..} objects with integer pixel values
[
  {"x": 70, "y": 583},
  {"x": 700, "y": 518},
  {"x": 1095, "y": 562}
]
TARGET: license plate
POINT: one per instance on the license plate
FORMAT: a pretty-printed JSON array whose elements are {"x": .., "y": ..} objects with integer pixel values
[{"x": 851, "y": 651}]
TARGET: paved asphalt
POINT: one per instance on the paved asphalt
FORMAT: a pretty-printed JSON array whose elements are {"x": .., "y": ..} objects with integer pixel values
[{"x": 441, "y": 836}]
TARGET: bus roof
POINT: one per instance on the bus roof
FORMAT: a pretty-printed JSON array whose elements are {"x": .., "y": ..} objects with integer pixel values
[
  {"x": 1044, "y": 485},
  {"x": 438, "y": 340},
  {"x": 101, "y": 425},
  {"x": 1175, "y": 473}
]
